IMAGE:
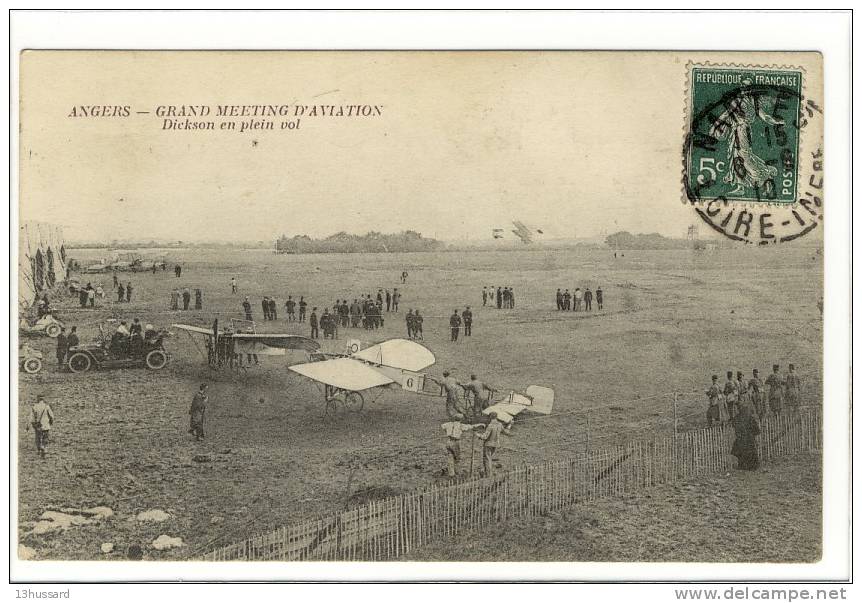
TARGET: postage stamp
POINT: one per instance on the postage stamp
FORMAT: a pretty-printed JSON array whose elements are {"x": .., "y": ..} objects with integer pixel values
[{"x": 745, "y": 168}]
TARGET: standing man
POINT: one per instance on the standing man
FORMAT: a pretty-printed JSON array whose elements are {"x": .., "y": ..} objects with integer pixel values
[
  {"x": 588, "y": 300},
  {"x": 450, "y": 386},
  {"x": 246, "y": 306},
  {"x": 599, "y": 297},
  {"x": 409, "y": 320},
  {"x": 302, "y": 307},
  {"x": 42, "y": 421},
  {"x": 187, "y": 298},
  {"x": 776, "y": 390},
  {"x": 490, "y": 440},
  {"x": 121, "y": 293},
  {"x": 175, "y": 299},
  {"x": 129, "y": 291},
  {"x": 290, "y": 307},
  {"x": 485, "y": 296},
  {"x": 388, "y": 301},
  {"x": 757, "y": 389},
  {"x": 499, "y": 298},
  {"x": 199, "y": 299},
  {"x": 731, "y": 394},
  {"x": 178, "y": 270},
  {"x": 717, "y": 411},
  {"x": 264, "y": 304},
  {"x": 478, "y": 389},
  {"x": 567, "y": 300},
  {"x": 273, "y": 309},
  {"x": 312, "y": 320},
  {"x": 396, "y": 299},
  {"x": 454, "y": 325},
  {"x": 454, "y": 430},
  {"x": 73, "y": 340},
  {"x": 747, "y": 428},
  {"x": 792, "y": 385},
  {"x": 233, "y": 285},
  {"x": 559, "y": 299},
  {"x": 467, "y": 314},
  {"x": 116, "y": 282},
  {"x": 417, "y": 324},
  {"x": 577, "y": 299},
  {"x": 62, "y": 346},
  {"x": 197, "y": 413}
]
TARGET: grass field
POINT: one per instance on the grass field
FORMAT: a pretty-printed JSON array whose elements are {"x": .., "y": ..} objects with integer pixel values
[{"x": 671, "y": 319}]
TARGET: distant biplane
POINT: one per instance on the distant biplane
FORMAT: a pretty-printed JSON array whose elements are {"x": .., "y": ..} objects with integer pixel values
[{"x": 522, "y": 231}]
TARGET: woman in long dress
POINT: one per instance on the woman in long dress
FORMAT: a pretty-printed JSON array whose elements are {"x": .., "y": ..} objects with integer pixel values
[{"x": 747, "y": 428}]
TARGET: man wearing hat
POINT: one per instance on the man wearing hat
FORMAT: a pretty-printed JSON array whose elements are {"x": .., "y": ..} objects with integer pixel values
[
  {"x": 197, "y": 412},
  {"x": 467, "y": 315},
  {"x": 755, "y": 388},
  {"x": 454, "y": 325},
  {"x": 731, "y": 394},
  {"x": 717, "y": 411},
  {"x": 490, "y": 440},
  {"x": 452, "y": 389},
  {"x": 454, "y": 430},
  {"x": 776, "y": 390},
  {"x": 43, "y": 420}
]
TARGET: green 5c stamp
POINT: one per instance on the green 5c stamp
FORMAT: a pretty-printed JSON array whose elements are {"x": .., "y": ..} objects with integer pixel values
[
  {"x": 747, "y": 169},
  {"x": 746, "y": 145}
]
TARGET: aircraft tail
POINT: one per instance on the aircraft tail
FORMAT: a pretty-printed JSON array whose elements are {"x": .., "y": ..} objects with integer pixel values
[{"x": 543, "y": 399}]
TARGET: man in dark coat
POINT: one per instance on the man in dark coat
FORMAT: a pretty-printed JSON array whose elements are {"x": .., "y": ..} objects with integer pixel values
[
  {"x": 197, "y": 412},
  {"x": 199, "y": 299},
  {"x": 73, "y": 338},
  {"x": 187, "y": 298},
  {"x": 246, "y": 306},
  {"x": 62, "y": 345},
  {"x": 273, "y": 309},
  {"x": 467, "y": 315},
  {"x": 302, "y": 306},
  {"x": 121, "y": 294},
  {"x": 129, "y": 291},
  {"x": 454, "y": 325},
  {"x": 499, "y": 298},
  {"x": 312, "y": 320},
  {"x": 747, "y": 428}
]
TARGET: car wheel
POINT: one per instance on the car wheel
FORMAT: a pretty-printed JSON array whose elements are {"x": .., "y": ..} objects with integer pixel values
[
  {"x": 156, "y": 360},
  {"x": 32, "y": 366},
  {"x": 52, "y": 330},
  {"x": 79, "y": 362}
]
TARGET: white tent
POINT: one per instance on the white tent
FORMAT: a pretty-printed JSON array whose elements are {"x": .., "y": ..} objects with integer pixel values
[{"x": 41, "y": 259}]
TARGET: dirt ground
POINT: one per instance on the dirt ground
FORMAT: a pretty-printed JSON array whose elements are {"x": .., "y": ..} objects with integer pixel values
[
  {"x": 768, "y": 516},
  {"x": 671, "y": 319}
]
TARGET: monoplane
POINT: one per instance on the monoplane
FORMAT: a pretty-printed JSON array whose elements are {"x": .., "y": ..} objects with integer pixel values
[
  {"x": 239, "y": 346},
  {"x": 395, "y": 362}
]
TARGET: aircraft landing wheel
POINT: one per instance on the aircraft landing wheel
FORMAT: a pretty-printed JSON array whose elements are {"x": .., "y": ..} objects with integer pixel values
[
  {"x": 156, "y": 360},
  {"x": 32, "y": 366},
  {"x": 79, "y": 362},
  {"x": 354, "y": 401},
  {"x": 52, "y": 330}
]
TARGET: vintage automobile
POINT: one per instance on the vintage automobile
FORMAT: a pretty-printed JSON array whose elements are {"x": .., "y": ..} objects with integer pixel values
[
  {"x": 47, "y": 325},
  {"x": 29, "y": 359},
  {"x": 117, "y": 351}
]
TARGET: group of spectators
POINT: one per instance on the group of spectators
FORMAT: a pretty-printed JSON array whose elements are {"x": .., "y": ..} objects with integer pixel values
[
  {"x": 185, "y": 296},
  {"x": 502, "y": 297},
  {"x": 744, "y": 404},
  {"x": 579, "y": 300}
]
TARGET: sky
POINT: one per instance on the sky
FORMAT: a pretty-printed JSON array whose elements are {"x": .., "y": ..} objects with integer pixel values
[{"x": 578, "y": 144}]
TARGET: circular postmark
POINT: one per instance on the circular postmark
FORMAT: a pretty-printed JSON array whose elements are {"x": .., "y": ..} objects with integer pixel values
[{"x": 746, "y": 171}]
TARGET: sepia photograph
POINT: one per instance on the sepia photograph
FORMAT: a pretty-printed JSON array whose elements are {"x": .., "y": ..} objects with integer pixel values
[{"x": 420, "y": 305}]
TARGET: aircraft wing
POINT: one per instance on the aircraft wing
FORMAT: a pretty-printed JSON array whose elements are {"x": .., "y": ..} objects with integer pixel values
[
  {"x": 398, "y": 353},
  {"x": 193, "y": 329},
  {"x": 274, "y": 340},
  {"x": 538, "y": 399},
  {"x": 343, "y": 373}
]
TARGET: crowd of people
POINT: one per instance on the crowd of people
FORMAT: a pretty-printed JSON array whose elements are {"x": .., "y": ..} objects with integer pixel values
[
  {"x": 578, "y": 300},
  {"x": 184, "y": 297},
  {"x": 744, "y": 404},
  {"x": 502, "y": 297}
]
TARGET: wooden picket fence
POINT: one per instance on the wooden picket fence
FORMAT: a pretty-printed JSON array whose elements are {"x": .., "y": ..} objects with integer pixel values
[{"x": 388, "y": 528}]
